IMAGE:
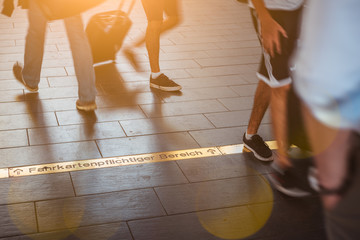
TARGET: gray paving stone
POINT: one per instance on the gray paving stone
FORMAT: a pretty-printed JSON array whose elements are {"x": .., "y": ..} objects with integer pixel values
[
  {"x": 52, "y": 93},
  {"x": 230, "y": 119},
  {"x": 100, "y": 115},
  {"x": 11, "y": 96},
  {"x": 127, "y": 177},
  {"x": 127, "y": 99},
  {"x": 100, "y": 209},
  {"x": 6, "y": 74},
  {"x": 33, "y": 105},
  {"x": 123, "y": 90},
  {"x": 240, "y": 103},
  {"x": 245, "y": 90},
  {"x": 205, "y": 33},
  {"x": 113, "y": 231},
  {"x": 13, "y": 84},
  {"x": 183, "y": 55},
  {"x": 179, "y": 227},
  {"x": 15, "y": 49},
  {"x": 219, "y": 136},
  {"x": 189, "y": 47},
  {"x": 210, "y": 82},
  {"x": 178, "y": 64},
  {"x": 241, "y": 51},
  {"x": 27, "y": 121},
  {"x": 182, "y": 108},
  {"x": 220, "y": 167},
  {"x": 198, "y": 39},
  {"x": 228, "y": 136},
  {"x": 35, "y": 188},
  {"x": 134, "y": 77},
  {"x": 67, "y": 81},
  {"x": 12, "y": 57},
  {"x": 74, "y": 133},
  {"x": 146, "y": 144},
  {"x": 214, "y": 194},
  {"x": 5, "y": 66},
  {"x": 24, "y": 156},
  {"x": 165, "y": 125},
  {"x": 234, "y": 118},
  {"x": 13, "y": 138},
  {"x": 17, "y": 219},
  {"x": 193, "y": 94},
  {"x": 220, "y": 71},
  {"x": 238, "y": 44},
  {"x": 227, "y": 61},
  {"x": 53, "y": 72}
]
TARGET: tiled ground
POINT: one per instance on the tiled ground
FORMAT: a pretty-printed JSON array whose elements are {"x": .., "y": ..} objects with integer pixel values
[{"x": 213, "y": 54}]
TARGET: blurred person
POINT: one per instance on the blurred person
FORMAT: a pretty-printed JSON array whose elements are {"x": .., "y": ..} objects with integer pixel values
[
  {"x": 328, "y": 83},
  {"x": 277, "y": 25},
  {"x": 155, "y": 10},
  {"x": 29, "y": 75}
]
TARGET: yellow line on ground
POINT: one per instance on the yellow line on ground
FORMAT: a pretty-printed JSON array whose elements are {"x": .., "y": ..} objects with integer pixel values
[{"x": 123, "y": 160}]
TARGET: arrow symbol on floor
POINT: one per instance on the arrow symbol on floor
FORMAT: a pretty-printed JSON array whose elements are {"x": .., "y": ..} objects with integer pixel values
[{"x": 212, "y": 151}]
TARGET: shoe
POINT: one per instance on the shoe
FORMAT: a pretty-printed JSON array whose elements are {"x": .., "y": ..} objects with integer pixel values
[
  {"x": 86, "y": 106},
  {"x": 17, "y": 71},
  {"x": 258, "y": 147},
  {"x": 164, "y": 83},
  {"x": 132, "y": 59},
  {"x": 287, "y": 182},
  {"x": 313, "y": 180}
]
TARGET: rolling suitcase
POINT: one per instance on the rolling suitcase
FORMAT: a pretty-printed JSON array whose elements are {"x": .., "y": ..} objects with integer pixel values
[{"x": 106, "y": 32}]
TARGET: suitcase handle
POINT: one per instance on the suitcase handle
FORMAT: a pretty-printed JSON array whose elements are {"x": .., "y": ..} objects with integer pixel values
[{"x": 130, "y": 7}]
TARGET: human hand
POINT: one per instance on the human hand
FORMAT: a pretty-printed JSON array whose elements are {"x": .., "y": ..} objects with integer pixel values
[{"x": 271, "y": 33}]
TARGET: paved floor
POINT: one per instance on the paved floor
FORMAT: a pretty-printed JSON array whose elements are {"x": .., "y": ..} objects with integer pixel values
[{"x": 213, "y": 54}]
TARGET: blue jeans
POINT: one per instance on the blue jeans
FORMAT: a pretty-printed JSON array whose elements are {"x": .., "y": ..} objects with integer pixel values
[{"x": 79, "y": 44}]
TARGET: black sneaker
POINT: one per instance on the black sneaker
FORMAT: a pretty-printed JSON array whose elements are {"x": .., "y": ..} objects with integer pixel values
[
  {"x": 258, "y": 147},
  {"x": 313, "y": 180},
  {"x": 163, "y": 83},
  {"x": 17, "y": 71},
  {"x": 288, "y": 183}
]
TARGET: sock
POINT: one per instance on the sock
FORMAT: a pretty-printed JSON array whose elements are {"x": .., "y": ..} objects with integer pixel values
[
  {"x": 248, "y": 136},
  {"x": 155, "y": 75}
]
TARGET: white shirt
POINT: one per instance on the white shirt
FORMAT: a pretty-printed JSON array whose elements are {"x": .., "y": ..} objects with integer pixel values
[
  {"x": 281, "y": 4},
  {"x": 327, "y": 64}
]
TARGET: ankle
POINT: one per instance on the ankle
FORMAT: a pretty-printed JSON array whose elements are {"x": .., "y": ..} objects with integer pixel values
[
  {"x": 248, "y": 136},
  {"x": 155, "y": 75}
]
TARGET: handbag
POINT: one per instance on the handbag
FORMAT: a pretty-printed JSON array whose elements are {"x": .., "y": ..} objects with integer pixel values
[
  {"x": 59, "y": 9},
  {"x": 106, "y": 32}
]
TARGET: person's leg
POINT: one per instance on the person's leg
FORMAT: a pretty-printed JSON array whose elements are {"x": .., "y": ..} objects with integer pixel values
[
  {"x": 261, "y": 103},
  {"x": 153, "y": 44},
  {"x": 34, "y": 45},
  {"x": 171, "y": 9},
  {"x": 154, "y": 10},
  {"x": 331, "y": 148},
  {"x": 173, "y": 16},
  {"x": 278, "y": 108},
  {"x": 252, "y": 141},
  {"x": 82, "y": 57},
  {"x": 156, "y": 28},
  {"x": 337, "y": 159}
]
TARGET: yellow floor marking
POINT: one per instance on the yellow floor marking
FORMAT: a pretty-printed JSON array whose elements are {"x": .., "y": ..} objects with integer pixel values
[
  {"x": 4, "y": 173},
  {"x": 123, "y": 160}
]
